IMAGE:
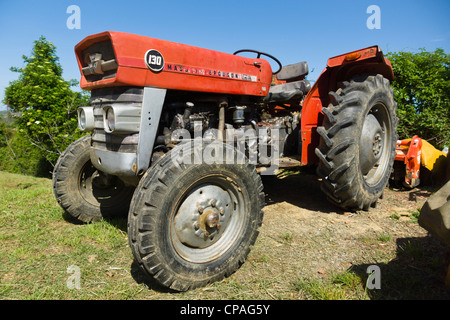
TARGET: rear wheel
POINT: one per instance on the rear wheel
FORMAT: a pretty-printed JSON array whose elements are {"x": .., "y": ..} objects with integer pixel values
[
  {"x": 84, "y": 192},
  {"x": 358, "y": 139},
  {"x": 193, "y": 224}
]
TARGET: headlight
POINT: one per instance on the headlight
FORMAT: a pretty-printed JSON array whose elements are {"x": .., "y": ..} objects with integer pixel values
[
  {"x": 85, "y": 118},
  {"x": 109, "y": 120},
  {"x": 82, "y": 120},
  {"x": 121, "y": 119}
]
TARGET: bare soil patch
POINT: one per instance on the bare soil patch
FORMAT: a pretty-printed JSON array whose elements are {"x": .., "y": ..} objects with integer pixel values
[{"x": 314, "y": 239}]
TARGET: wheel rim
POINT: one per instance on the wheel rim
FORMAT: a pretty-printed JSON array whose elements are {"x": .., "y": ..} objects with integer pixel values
[
  {"x": 208, "y": 219},
  {"x": 374, "y": 151},
  {"x": 97, "y": 191}
]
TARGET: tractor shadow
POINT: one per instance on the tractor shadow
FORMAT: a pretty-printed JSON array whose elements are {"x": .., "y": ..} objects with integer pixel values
[
  {"x": 417, "y": 273},
  {"x": 299, "y": 187}
]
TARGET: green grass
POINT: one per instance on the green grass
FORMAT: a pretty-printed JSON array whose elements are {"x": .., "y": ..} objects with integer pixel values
[
  {"x": 286, "y": 237},
  {"x": 342, "y": 286},
  {"x": 384, "y": 237},
  {"x": 39, "y": 243}
]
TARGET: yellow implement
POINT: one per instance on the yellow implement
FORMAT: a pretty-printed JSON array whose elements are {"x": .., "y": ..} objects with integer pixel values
[{"x": 430, "y": 155}]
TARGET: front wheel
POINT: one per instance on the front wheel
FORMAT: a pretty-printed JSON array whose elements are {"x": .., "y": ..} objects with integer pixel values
[
  {"x": 358, "y": 140},
  {"x": 84, "y": 192},
  {"x": 193, "y": 224}
]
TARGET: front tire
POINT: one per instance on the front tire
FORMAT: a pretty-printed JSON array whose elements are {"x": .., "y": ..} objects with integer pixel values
[
  {"x": 194, "y": 224},
  {"x": 84, "y": 192},
  {"x": 358, "y": 139}
]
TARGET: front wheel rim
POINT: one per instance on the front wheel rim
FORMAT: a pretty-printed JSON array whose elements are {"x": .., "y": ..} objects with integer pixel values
[
  {"x": 208, "y": 219},
  {"x": 106, "y": 196}
]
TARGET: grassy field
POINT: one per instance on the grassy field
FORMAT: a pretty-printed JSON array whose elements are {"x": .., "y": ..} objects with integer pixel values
[{"x": 42, "y": 249}]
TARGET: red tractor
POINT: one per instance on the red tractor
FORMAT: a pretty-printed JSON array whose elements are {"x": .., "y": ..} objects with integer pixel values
[{"x": 180, "y": 136}]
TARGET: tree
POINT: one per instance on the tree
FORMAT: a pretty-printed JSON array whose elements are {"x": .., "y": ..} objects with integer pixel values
[
  {"x": 45, "y": 104},
  {"x": 422, "y": 91}
]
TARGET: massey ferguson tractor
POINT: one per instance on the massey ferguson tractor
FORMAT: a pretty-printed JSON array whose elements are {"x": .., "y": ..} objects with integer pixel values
[{"x": 180, "y": 136}]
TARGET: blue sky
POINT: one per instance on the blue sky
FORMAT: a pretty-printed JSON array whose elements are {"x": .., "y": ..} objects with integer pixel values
[{"x": 292, "y": 31}]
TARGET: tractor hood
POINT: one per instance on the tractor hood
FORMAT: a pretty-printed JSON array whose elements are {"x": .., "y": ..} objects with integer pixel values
[{"x": 121, "y": 59}]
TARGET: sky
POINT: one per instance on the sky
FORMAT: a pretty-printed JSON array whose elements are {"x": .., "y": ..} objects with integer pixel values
[{"x": 292, "y": 31}]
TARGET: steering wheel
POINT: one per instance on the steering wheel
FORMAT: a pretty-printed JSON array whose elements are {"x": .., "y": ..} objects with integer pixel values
[{"x": 262, "y": 54}]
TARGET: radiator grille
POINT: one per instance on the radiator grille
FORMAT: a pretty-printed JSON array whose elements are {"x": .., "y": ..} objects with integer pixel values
[{"x": 102, "y": 140}]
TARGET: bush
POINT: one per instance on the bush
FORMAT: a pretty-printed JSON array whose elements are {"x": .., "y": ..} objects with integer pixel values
[
  {"x": 17, "y": 155},
  {"x": 422, "y": 91}
]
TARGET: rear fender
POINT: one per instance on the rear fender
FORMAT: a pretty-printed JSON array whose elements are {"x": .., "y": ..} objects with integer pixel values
[{"x": 340, "y": 68}]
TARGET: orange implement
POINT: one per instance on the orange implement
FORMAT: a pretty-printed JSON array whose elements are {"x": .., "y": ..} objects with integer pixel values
[{"x": 409, "y": 151}]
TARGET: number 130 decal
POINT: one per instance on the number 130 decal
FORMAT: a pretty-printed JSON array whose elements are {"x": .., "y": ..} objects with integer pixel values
[{"x": 154, "y": 60}]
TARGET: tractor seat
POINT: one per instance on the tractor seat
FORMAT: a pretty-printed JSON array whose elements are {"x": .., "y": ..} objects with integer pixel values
[
  {"x": 293, "y": 71},
  {"x": 294, "y": 88},
  {"x": 287, "y": 91}
]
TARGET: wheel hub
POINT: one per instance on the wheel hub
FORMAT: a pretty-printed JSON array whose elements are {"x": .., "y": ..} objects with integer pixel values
[
  {"x": 209, "y": 219},
  {"x": 203, "y": 216},
  {"x": 376, "y": 145},
  {"x": 371, "y": 145}
]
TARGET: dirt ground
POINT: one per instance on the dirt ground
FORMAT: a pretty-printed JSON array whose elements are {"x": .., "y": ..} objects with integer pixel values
[{"x": 317, "y": 239}]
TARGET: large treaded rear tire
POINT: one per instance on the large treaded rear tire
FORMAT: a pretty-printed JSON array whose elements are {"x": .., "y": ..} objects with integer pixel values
[
  {"x": 165, "y": 228},
  {"x": 358, "y": 139}
]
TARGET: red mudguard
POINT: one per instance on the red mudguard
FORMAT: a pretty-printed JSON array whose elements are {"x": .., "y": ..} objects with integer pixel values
[{"x": 339, "y": 68}]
